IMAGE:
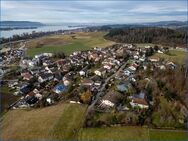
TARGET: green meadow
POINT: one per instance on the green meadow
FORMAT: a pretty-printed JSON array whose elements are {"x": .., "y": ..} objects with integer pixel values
[{"x": 67, "y": 43}]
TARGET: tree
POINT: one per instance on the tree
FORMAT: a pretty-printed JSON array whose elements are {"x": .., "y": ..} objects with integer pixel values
[
  {"x": 59, "y": 55},
  {"x": 156, "y": 48},
  {"x": 149, "y": 92},
  {"x": 86, "y": 97}
]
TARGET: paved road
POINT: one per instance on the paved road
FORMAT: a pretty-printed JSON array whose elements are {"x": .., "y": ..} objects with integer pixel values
[{"x": 101, "y": 91}]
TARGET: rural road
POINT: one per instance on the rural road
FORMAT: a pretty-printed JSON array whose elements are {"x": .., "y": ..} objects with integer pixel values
[{"x": 103, "y": 87}]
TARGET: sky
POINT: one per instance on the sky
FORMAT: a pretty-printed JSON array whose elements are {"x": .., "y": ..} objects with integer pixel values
[{"x": 94, "y": 12}]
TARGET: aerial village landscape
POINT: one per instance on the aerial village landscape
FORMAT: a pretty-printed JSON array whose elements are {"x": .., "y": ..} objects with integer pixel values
[
  {"x": 118, "y": 78},
  {"x": 114, "y": 81}
]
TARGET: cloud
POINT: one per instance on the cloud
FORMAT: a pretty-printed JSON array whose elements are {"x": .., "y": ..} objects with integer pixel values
[{"x": 94, "y": 11}]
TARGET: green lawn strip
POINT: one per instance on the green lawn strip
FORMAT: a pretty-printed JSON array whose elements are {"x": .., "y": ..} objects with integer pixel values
[
  {"x": 70, "y": 122},
  {"x": 114, "y": 133},
  {"x": 162, "y": 135}
]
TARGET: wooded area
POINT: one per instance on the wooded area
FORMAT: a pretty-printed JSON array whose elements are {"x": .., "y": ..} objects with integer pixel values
[{"x": 164, "y": 36}]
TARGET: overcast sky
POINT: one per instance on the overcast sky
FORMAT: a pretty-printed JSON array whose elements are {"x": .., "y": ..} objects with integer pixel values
[{"x": 128, "y": 11}]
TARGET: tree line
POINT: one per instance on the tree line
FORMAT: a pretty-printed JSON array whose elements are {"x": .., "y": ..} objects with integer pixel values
[{"x": 164, "y": 36}]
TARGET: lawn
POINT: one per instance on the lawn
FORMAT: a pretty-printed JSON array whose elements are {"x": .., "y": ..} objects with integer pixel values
[
  {"x": 5, "y": 89},
  {"x": 7, "y": 97},
  {"x": 65, "y": 122},
  {"x": 54, "y": 122},
  {"x": 114, "y": 133},
  {"x": 177, "y": 56},
  {"x": 68, "y": 43},
  {"x": 69, "y": 123},
  {"x": 158, "y": 135},
  {"x": 131, "y": 133}
]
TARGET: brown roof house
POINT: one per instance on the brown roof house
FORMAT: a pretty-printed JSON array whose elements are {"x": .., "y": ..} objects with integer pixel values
[
  {"x": 87, "y": 82},
  {"x": 138, "y": 100}
]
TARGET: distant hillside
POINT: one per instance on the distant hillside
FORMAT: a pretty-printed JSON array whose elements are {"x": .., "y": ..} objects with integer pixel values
[
  {"x": 168, "y": 24},
  {"x": 165, "y": 36},
  {"x": 20, "y": 23},
  {"x": 164, "y": 24},
  {"x": 10, "y": 25}
]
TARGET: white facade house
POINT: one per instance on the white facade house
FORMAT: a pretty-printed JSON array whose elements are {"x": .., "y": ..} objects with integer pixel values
[
  {"x": 44, "y": 54},
  {"x": 132, "y": 68},
  {"x": 97, "y": 72},
  {"x": 142, "y": 59},
  {"x": 82, "y": 73},
  {"x": 126, "y": 72},
  {"x": 100, "y": 72},
  {"x": 107, "y": 103},
  {"x": 154, "y": 60},
  {"x": 108, "y": 67},
  {"x": 135, "y": 57},
  {"x": 45, "y": 77},
  {"x": 159, "y": 51}
]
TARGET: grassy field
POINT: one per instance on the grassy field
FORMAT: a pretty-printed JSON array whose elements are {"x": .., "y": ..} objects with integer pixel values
[
  {"x": 176, "y": 56},
  {"x": 7, "y": 97},
  {"x": 65, "y": 122},
  {"x": 69, "y": 123},
  {"x": 52, "y": 122},
  {"x": 157, "y": 135},
  {"x": 114, "y": 133},
  {"x": 68, "y": 43},
  {"x": 131, "y": 133}
]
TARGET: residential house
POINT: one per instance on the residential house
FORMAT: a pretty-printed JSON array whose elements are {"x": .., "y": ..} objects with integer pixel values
[
  {"x": 24, "y": 88},
  {"x": 33, "y": 96},
  {"x": 100, "y": 72},
  {"x": 58, "y": 76},
  {"x": 141, "y": 103},
  {"x": 154, "y": 59},
  {"x": 82, "y": 73},
  {"x": 171, "y": 65},
  {"x": 87, "y": 82},
  {"x": 110, "y": 100},
  {"x": 61, "y": 62},
  {"x": 13, "y": 83},
  {"x": 59, "y": 88},
  {"x": 26, "y": 76},
  {"x": 43, "y": 77},
  {"x": 107, "y": 66},
  {"x": 34, "y": 71},
  {"x": 44, "y": 55},
  {"x": 67, "y": 79},
  {"x": 159, "y": 51},
  {"x": 139, "y": 100},
  {"x": 123, "y": 86},
  {"x": 94, "y": 56},
  {"x": 132, "y": 68},
  {"x": 142, "y": 59},
  {"x": 127, "y": 72}
]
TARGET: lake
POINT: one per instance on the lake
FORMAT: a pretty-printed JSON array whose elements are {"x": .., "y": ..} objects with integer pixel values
[{"x": 10, "y": 33}]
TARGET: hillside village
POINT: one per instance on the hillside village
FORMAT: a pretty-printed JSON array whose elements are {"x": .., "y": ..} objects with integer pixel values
[{"x": 116, "y": 78}]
